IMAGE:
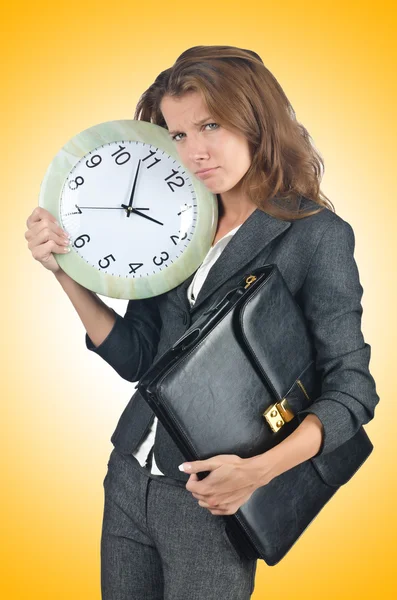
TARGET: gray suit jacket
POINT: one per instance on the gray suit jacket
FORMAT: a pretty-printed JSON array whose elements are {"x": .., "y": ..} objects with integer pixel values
[{"x": 315, "y": 257}]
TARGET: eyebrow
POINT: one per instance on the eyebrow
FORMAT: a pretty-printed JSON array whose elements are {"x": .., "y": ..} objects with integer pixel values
[{"x": 198, "y": 123}]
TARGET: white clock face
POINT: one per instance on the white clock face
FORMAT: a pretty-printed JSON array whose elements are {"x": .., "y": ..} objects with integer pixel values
[{"x": 120, "y": 237}]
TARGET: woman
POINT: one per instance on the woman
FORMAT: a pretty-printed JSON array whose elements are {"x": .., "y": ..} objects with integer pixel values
[{"x": 163, "y": 535}]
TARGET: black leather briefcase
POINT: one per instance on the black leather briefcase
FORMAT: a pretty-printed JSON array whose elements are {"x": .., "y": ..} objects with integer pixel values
[{"x": 232, "y": 384}]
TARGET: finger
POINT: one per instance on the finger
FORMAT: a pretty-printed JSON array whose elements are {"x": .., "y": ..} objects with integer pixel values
[
  {"x": 201, "y": 465},
  {"x": 198, "y": 496},
  {"x": 192, "y": 479},
  {"x": 38, "y": 214},
  {"x": 37, "y": 226},
  {"x": 191, "y": 483},
  {"x": 209, "y": 505},
  {"x": 218, "y": 510},
  {"x": 43, "y": 230},
  {"x": 43, "y": 252},
  {"x": 222, "y": 498},
  {"x": 47, "y": 233},
  {"x": 47, "y": 221}
]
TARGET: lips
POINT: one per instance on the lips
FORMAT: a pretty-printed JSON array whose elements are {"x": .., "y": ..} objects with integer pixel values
[{"x": 205, "y": 172}]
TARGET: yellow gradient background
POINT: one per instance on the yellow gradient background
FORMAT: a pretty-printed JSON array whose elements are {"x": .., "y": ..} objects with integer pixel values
[{"x": 68, "y": 66}]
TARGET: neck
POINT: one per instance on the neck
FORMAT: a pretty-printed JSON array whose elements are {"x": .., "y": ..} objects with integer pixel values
[{"x": 233, "y": 210}]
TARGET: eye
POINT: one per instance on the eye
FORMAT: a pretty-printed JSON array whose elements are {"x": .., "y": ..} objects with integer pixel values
[
  {"x": 173, "y": 137},
  {"x": 216, "y": 125}
]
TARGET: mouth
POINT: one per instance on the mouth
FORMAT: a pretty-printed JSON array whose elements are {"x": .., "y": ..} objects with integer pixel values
[{"x": 203, "y": 172}]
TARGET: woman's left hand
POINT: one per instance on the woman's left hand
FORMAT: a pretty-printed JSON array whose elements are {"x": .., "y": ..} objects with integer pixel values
[{"x": 229, "y": 485}]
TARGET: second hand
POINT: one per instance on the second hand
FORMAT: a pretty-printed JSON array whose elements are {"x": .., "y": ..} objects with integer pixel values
[{"x": 109, "y": 207}]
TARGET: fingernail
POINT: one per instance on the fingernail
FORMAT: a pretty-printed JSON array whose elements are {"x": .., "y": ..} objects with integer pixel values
[{"x": 180, "y": 467}]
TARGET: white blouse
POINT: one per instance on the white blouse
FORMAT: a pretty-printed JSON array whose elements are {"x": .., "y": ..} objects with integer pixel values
[{"x": 141, "y": 453}]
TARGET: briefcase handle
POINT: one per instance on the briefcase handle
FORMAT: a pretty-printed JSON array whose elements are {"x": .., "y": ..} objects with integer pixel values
[
  {"x": 218, "y": 308},
  {"x": 228, "y": 300},
  {"x": 240, "y": 289}
]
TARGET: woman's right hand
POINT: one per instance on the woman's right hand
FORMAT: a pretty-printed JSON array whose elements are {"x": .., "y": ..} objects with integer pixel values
[{"x": 46, "y": 237}]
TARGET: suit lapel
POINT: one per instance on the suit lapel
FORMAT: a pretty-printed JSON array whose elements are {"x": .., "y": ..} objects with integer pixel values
[{"x": 254, "y": 234}]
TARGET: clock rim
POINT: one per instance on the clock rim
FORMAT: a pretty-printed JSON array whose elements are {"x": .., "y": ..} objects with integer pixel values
[{"x": 89, "y": 276}]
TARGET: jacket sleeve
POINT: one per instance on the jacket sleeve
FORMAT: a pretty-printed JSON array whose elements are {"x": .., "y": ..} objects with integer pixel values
[
  {"x": 331, "y": 302},
  {"x": 131, "y": 345}
]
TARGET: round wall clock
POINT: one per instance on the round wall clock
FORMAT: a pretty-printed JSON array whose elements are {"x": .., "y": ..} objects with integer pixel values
[{"x": 139, "y": 222}]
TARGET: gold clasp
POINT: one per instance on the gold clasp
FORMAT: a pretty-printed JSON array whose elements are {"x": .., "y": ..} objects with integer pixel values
[
  {"x": 278, "y": 414},
  {"x": 250, "y": 279}
]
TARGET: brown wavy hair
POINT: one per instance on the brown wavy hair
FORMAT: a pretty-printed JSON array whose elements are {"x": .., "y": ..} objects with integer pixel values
[{"x": 242, "y": 95}]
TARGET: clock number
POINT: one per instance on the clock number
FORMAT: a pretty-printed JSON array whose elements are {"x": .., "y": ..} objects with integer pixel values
[
  {"x": 126, "y": 154},
  {"x": 107, "y": 259},
  {"x": 177, "y": 237},
  {"x": 134, "y": 269},
  {"x": 76, "y": 182},
  {"x": 156, "y": 160},
  {"x": 171, "y": 183},
  {"x": 94, "y": 164},
  {"x": 161, "y": 259},
  {"x": 80, "y": 242}
]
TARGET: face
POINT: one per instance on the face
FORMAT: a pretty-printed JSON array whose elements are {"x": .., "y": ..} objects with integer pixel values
[{"x": 204, "y": 144}]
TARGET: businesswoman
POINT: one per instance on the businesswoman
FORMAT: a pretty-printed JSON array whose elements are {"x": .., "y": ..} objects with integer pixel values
[{"x": 163, "y": 534}]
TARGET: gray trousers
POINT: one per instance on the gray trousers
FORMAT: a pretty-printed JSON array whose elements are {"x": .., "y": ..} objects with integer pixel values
[{"x": 158, "y": 543}]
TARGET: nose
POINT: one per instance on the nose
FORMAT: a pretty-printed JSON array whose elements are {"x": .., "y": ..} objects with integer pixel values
[{"x": 197, "y": 151}]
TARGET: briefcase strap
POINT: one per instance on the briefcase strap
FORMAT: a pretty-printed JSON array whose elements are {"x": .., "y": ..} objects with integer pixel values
[{"x": 279, "y": 413}]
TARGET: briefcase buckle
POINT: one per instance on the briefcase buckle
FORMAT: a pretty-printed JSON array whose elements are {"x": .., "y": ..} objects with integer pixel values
[
  {"x": 278, "y": 414},
  {"x": 250, "y": 279}
]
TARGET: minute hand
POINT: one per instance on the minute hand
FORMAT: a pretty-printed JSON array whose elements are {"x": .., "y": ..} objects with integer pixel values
[
  {"x": 129, "y": 208},
  {"x": 136, "y": 211}
]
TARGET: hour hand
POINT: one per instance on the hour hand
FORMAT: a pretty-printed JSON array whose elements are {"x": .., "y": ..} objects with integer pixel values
[
  {"x": 136, "y": 211},
  {"x": 140, "y": 208}
]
